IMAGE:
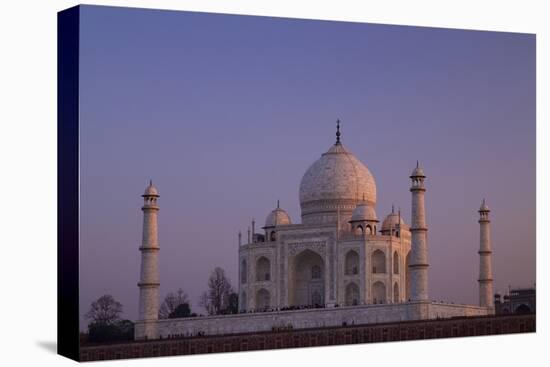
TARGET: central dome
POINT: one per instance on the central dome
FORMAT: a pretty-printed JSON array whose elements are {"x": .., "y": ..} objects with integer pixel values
[{"x": 336, "y": 180}]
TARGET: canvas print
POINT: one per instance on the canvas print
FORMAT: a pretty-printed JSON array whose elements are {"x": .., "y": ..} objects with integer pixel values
[{"x": 250, "y": 183}]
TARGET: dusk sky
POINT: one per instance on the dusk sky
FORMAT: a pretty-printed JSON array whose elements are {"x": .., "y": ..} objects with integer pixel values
[{"x": 225, "y": 114}]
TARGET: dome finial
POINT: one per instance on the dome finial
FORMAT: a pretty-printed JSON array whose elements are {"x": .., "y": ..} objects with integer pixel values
[
  {"x": 484, "y": 207},
  {"x": 417, "y": 171},
  {"x": 277, "y": 203},
  {"x": 338, "y": 131},
  {"x": 392, "y": 209},
  {"x": 150, "y": 190}
]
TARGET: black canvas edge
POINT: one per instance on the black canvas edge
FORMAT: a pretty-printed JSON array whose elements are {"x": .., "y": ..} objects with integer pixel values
[{"x": 68, "y": 34}]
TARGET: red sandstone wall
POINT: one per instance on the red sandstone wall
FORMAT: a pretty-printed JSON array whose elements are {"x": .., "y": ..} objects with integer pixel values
[{"x": 411, "y": 330}]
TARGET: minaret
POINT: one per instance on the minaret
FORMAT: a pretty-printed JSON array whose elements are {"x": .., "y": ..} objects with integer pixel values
[
  {"x": 149, "y": 279},
  {"x": 485, "y": 269},
  {"x": 419, "y": 252}
]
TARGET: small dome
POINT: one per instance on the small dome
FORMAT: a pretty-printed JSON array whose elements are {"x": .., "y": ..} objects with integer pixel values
[
  {"x": 277, "y": 217},
  {"x": 151, "y": 190},
  {"x": 363, "y": 211},
  {"x": 392, "y": 220},
  {"x": 418, "y": 171},
  {"x": 484, "y": 207}
]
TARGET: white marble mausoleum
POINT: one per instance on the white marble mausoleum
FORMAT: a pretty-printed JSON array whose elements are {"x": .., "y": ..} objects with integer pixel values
[{"x": 338, "y": 264}]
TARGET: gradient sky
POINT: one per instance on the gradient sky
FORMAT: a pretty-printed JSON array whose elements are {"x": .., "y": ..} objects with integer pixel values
[{"x": 225, "y": 113}]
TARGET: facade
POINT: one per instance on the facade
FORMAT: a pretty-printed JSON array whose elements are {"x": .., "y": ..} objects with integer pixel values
[
  {"x": 518, "y": 300},
  {"x": 338, "y": 265},
  {"x": 338, "y": 255}
]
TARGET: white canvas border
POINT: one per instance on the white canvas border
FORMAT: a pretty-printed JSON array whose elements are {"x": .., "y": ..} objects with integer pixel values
[{"x": 28, "y": 151}]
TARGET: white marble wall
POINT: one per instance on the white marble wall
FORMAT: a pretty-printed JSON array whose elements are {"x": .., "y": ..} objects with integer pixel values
[
  {"x": 293, "y": 239},
  {"x": 265, "y": 321}
]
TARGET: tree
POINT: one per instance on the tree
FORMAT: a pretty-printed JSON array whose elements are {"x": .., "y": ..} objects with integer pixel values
[
  {"x": 126, "y": 329},
  {"x": 171, "y": 302},
  {"x": 105, "y": 323},
  {"x": 233, "y": 304},
  {"x": 105, "y": 310},
  {"x": 216, "y": 299},
  {"x": 182, "y": 310},
  {"x": 100, "y": 332}
]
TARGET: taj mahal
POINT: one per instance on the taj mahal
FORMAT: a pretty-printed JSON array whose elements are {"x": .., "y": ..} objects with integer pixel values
[{"x": 338, "y": 265}]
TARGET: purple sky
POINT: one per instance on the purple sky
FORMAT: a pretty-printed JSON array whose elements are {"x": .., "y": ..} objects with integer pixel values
[{"x": 226, "y": 113}]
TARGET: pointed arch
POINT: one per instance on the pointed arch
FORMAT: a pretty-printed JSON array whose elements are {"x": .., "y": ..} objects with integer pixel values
[
  {"x": 395, "y": 293},
  {"x": 315, "y": 272},
  {"x": 395, "y": 263},
  {"x": 316, "y": 298},
  {"x": 352, "y": 294},
  {"x": 379, "y": 292},
  {"x": 263, "y": 299},
  {"x": 351, "y": 263},
  {"x": 523, "y": 309},
  {"x": 263, "y": 269},
  {"x": 378, "y": 262},
  {"x": 306, "y": 279}
]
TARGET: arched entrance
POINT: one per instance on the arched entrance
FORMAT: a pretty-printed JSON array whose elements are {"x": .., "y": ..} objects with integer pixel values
[
  {"x": 263, "y": 299},
  {"x": 352, "y": 263},
  {"x": 263, "y": 269},
  {"x": 307, "y": 279},
  {"x": 352, "y": 294},
  {"x": 378, "y": 292},
  {"x": 523, "y": 309},
  {"x": 378, "y": 262}
]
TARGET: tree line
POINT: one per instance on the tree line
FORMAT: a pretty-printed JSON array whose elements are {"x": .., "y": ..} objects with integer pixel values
[{"x": 105, "y": 323}]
